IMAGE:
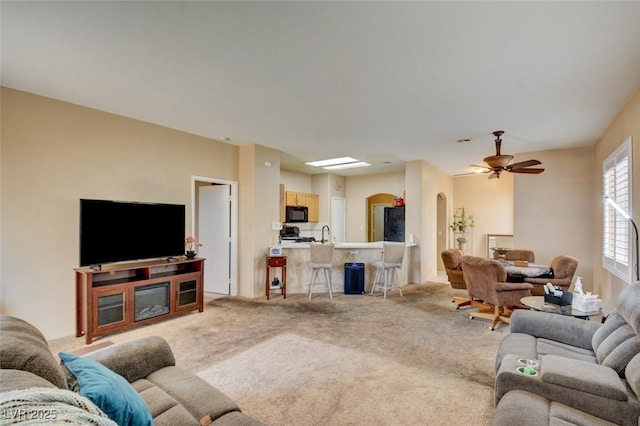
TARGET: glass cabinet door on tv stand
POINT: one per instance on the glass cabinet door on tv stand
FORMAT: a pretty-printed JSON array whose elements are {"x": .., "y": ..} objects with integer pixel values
[{"x": 110, "y": 306}]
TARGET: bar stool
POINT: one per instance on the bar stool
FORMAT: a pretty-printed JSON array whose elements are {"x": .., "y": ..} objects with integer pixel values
[
  {"x": 321, "y": 257},
  {"x": 386, "y": 269}
]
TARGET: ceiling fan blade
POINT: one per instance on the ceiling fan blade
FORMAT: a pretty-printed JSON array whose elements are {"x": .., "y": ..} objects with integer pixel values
[
  {"x": 522, "y": 164},
  {"x": 493, "y": 175},
  {"x": 480, "y": 167},
  {"x": 529, "y": 171}
]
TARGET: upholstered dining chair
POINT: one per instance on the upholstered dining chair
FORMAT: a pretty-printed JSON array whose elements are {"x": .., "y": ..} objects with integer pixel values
[
  {"x": 452, "y": 260},
  {"x": 518, "y": 254},
  {"x": 321, "y": 258},
  {"x": 386, "y": 269},
  {"x": 486, "y": 280},
  {"x": 563, "y": 268}
]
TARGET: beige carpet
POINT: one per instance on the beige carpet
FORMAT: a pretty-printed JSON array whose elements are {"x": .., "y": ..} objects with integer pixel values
[
  {"x": 353, "y": 360},
  {"x": 293, "y": 380}
]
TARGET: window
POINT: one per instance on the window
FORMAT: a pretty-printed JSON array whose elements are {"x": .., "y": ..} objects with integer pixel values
[{"x": 617, "y": 186}]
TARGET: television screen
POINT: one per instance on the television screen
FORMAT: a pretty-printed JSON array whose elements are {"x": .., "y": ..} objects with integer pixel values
[{"x": 114, "y": 231}]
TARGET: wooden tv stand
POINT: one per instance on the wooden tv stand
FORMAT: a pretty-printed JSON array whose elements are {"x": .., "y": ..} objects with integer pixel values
[{"x": 123, "y": 296}]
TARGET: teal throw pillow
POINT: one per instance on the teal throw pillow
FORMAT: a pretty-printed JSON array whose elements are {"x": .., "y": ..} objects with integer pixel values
[{"x": 108, "y": 390}]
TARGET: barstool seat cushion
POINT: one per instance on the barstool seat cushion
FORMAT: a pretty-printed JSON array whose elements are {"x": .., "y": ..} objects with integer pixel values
[{"x": 321, "y": 265}]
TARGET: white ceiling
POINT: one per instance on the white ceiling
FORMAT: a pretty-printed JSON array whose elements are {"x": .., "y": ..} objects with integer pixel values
[{"x": 381, "y": 81}]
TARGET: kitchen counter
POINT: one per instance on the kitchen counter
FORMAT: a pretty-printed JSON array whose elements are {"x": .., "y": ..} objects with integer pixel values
[
  {"x": 299, "y": 272},
  {"x": 376, "y": 245}
]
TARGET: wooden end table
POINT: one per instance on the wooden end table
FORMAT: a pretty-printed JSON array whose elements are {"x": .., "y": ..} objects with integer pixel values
[{"x": 276, "y": 262}]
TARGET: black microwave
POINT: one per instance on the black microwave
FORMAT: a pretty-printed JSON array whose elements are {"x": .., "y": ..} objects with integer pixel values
[{"x": 296, "y": 214}]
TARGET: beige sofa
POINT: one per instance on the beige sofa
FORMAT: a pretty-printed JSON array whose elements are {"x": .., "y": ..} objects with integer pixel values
[{"x": 174, "y": 396}]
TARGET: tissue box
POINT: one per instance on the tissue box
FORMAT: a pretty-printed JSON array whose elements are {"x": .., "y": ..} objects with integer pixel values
[
  {"x": 589, "y": 305},
  {"x": 562, "y": 300}
]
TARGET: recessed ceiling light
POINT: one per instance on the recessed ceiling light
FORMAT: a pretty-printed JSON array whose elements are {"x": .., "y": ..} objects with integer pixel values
[
  {"x": 347, "y": 165},
  {"x": 463, "y": 140},
  {"x": 331, "y": 162}
]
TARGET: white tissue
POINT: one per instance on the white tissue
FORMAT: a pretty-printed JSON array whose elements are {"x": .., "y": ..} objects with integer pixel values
[{"x": 585, "y": 302}]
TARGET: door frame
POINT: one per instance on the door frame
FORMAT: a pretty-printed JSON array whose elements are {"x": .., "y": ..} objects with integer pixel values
[{"x": 233, "y": 255}]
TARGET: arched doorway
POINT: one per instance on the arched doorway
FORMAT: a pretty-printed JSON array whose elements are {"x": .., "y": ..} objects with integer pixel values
[{"x": 375, "y": 217}]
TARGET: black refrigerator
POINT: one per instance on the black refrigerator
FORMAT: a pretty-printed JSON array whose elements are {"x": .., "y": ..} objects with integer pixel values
[{"x": 394, "y": 224}]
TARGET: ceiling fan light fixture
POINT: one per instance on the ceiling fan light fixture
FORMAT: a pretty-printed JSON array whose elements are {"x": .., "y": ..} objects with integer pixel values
[
  {"x": 499, "y": 163},
  {"x": 498, "y": 160}
]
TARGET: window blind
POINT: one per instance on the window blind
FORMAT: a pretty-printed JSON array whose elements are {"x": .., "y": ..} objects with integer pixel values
[{"x": 617, "y": 181}]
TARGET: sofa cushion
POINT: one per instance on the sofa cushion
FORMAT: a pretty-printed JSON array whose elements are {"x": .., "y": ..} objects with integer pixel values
[
  {"x": 613, "y": 322},
  {"x": 582, "y": 376},
  {"x": 628, "y": 305},
  {"x": 23, "y": 347},
  {"x": 527, "y": 409},
  {"x": 551, "y": 347},
  {"x": 108, "y": 390},
  {"x": 194, "y": 394},
  {"x": 632, "y": 374},
  {"x": 20, "y": 379},
  {"x": 619, "y": 346}
]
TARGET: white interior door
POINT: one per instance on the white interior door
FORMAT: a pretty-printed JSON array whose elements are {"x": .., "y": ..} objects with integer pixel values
[
  {"x": 338, "y": 219},
  {"x": 214, "y": 232}
]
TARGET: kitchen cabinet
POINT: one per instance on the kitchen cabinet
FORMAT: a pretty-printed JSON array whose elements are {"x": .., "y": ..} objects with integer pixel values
[
  {"x": 295, "y": 198},
  {"x": 311, "y": 201}
]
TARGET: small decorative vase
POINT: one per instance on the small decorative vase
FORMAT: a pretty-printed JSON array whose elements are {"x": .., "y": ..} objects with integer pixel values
[{"x": 190, "y": 254}]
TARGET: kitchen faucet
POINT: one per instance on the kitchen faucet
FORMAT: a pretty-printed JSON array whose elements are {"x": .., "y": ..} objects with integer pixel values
[{"x": 328, "y": 231}]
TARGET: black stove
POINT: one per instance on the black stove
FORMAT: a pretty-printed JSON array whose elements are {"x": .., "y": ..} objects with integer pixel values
[
  {"x": 299, "y": 239},
  {"x": 305, "y": 239},
  {"x": 292, "y": 233}
]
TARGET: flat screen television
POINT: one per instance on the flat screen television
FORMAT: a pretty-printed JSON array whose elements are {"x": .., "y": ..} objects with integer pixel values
[{"x": 115, "y": 231}]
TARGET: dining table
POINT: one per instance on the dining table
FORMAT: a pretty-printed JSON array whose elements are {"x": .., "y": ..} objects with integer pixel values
[{"x": 532, "y": 270}]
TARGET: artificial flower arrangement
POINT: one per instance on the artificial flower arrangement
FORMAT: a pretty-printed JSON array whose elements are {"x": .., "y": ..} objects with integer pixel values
[
  {"x": 191, "y": 245},
  {"x": 461, "y": 221}
]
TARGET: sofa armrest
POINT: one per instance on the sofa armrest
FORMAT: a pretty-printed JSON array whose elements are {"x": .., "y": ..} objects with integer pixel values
[
  {"x": 559, "y": 328},
  {"x": 136, "y": 359},
  {"x": 583, "y": 376}
]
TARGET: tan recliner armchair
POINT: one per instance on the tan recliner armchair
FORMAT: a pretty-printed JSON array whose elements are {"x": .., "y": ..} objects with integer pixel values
[
  {"x": 452, "y": 260},
  {"x": 486, "y": 280},
  {"x": 563, "y": 268}
]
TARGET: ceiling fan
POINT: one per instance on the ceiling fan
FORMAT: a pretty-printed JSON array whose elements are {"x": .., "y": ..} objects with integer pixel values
[{"x": 499, "y": 163}]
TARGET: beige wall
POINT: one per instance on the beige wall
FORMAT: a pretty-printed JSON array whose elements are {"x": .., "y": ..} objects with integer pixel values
[
  {"x": 554, "y": 210},
  {"x": 294, "y": 181},
  {"x": 358, "y": 189},
  {"x": 259, "y": 207},
  {"x": 424, "y": 182},
  {"x": 53, "y": 154},
  {"x": 626, "y": 124},
  {"x": 489, "y": 201}
]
